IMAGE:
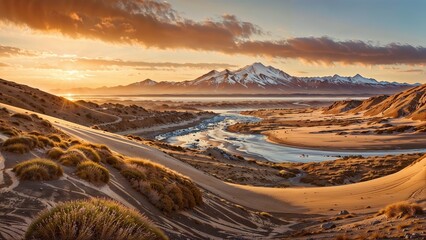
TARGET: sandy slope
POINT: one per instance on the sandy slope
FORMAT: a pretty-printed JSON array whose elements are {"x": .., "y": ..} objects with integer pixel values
[{"x": 406, "y": 184}]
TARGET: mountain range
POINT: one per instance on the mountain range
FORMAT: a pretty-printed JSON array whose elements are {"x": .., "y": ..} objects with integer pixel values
[{"x": 253, "y": 79}]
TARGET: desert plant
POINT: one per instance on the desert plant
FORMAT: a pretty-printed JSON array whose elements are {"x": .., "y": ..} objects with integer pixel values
[
  {"x": 72, "y": 157},
  {"x": 166, "y": 189},
  {"x": 115, "y": 161},
  {"x": 88, "y": 151},
  {"x": 30, "y": 141},
  {"x": 16, "y": 148},
  {"x": 45, "y": 141},
  {"x": 22, "y": 116},
  {"x": 92, "y": 219},
  {"x": 55, "y": 138},
  {"x": 92, "y": 172},
  {"x": 401, "y": 209},
  {"x": 38, "y": 169},
  {"x": 55, "y": 153},
  {"x": 9, "y": 131}
]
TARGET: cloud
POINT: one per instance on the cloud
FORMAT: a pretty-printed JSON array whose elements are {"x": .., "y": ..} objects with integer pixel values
[
  {"x": 156, "y": 24},
  {"x": 329, "y": 51},
  {"x": 103, "y": 64},
  {"x": 97, "y": 62},
  {"x": 412, "y": 71},
  {"x": 3, "y": 64},
  {"x": 7, "y": 51}
]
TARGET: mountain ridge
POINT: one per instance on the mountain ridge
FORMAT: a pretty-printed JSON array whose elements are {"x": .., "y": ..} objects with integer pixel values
[{"x": 253, "y": 79}]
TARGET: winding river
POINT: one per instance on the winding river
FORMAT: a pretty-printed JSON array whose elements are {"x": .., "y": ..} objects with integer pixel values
[{"x": 212, "y": 133}]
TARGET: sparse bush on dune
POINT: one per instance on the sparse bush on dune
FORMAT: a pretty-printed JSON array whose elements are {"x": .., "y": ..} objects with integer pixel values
[
  {"x": 9, "y": 131},
  {"x": 55, "y": 153},
  {"x": 45, "y": 141},
  {"x": 20, "y": 144},
  {"x": 401, "y": 209},
  {"x": 115, "y": 161},
  {"x": 88, "y": 151},
  {"x": 55, "y": 137},
  {"x": 22, "y": 116},
  {"x": 38, "y": 169},
  {"x": 16, "y": 148},
  {"x": 72, "y": 157},
  {"x": 92, "y": 219},
  {"x": 92, "y": 172},
  {"x": 166, "y": 189}
]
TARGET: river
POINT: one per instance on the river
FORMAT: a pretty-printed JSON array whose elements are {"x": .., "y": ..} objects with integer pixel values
[{"x": 212, "y": 133}]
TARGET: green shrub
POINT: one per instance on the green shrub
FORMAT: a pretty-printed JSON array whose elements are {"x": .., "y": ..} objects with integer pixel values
[
  {"x": 92, "y": 219},
  {"x": 38, "y": 169},
  {"x": 92, "y": 172},
  {"x": 72, "y": 157}
]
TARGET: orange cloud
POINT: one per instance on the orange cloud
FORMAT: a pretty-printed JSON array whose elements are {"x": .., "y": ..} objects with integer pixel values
[
  {"x": 156, "y": 24},
  {"x": 99, "y": 63},
  {"x": 7, "y": 51}
]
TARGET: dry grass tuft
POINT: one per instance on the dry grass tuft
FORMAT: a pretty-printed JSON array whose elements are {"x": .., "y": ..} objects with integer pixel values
[
  {"x": 88, "y": 151},
  {"x": 17, "y": 148},
  {"x": 166, "y": 189},
  {"x": 21, "y": 144},
  {"x": 38, "y": 169},
  {"x": 401, "y": 209},
  {"x": 22, "y": 116},
  {"x": 72, "y": 157},
  {"x": 55, "y": 153},
  {"x": 92, "y": 219},
  {"x": 93, "y": 172},
  {"x": 55, "y": 137},
  {"x": 115, "y": 161}
]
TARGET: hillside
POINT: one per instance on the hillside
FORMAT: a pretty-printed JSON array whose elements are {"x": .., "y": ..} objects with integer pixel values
[
  {"x": 409, "y": 104},
  {"x": 254, "y": 79},
  {"x": 42, "y": 102}
]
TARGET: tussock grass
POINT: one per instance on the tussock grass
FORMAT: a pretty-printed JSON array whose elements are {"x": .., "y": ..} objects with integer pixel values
[
  {"x": 92, "y": 219},
  {"x": 401, "y": 210},
  {"x": 22, "y": 116},
  {"x": 45, "y": 141},
  {"x": 72, "y": 157},
  {"x": 9, "y": 131},
  {"x": 166, "y": 189},
  {"x": 20, "y": 144},
  {"x": 88, "y": 151},
  {"x": 115, "y": 161},
  {"x": 55, "y": 153},
  {"x": 92, "y": 172},
  {"x": 16, "y": 148},
  {"x": 38, "y": 169},
  {"x": 30, "y": 141},
  {"x": 55, "y": 137}
]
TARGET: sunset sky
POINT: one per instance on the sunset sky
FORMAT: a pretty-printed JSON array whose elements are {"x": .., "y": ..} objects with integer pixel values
[{"x": 86, "y": 43}]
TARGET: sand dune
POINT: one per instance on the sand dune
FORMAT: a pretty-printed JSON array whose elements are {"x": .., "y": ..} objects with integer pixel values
[
  {"x": 410, "y": 103},
  {"x": 42, "y": 102},
  {"x": 403, "y": 185}
]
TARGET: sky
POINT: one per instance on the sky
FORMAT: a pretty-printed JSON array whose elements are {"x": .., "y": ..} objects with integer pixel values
[{"x": 53, "y": 44}]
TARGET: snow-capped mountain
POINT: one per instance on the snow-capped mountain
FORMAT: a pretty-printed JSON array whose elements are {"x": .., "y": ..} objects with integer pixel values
[{"x": 258, "y": 79}]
